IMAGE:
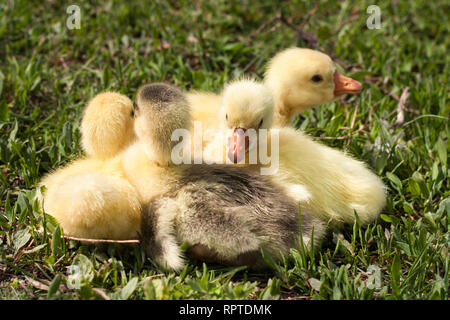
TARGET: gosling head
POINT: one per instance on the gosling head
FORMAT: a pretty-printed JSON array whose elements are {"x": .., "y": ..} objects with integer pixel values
[
  {"x": 107, "y": 125},
  {"x": 246, "y": 104},
  {"x": 302, "y": 78},
  {"x": 160, "y": 109}
]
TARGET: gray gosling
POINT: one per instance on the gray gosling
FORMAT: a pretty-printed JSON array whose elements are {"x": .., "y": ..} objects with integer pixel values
[{"x": 226, "y": 214}]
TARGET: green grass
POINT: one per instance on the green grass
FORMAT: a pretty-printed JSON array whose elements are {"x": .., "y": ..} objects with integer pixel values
[{"x": 48, "y": 73}]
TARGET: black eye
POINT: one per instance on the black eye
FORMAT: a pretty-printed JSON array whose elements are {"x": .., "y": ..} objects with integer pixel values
[
  {"x": 317, "y": 78},
  {"x": 226, "y": 117},
  {"x": 260, "y": 123}
]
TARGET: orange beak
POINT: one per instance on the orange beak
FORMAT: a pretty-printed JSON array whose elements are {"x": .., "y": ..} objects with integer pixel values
[
  {"x": 237, "y": 145},
  {"x": 343, "y": 85}
]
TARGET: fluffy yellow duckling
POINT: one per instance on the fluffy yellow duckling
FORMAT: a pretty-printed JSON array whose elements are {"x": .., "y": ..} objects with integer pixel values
[
  {"x": 226, "y": 214},
  {"x": 299, "y": 79},
  {"x": 331, "y": 183},
  {"x": 107, "y": 125},
  {"x": 90, "y": 198}
]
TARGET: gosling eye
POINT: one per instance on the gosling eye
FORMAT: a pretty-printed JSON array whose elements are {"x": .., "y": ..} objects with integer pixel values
[
  {"x": 226, "y": 116},
  {"x": 260, "y": 123},
  {"x": 317, "y": 78}
]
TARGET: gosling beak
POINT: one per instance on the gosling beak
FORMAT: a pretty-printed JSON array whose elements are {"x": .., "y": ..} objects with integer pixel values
[
  {"x": 237, "y": 145},
  {"x": 343, "y": 84}
]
